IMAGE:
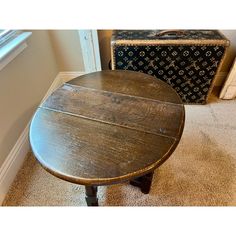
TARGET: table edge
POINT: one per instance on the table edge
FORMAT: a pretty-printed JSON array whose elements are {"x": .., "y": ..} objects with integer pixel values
[{"x": 112, "y": 180}]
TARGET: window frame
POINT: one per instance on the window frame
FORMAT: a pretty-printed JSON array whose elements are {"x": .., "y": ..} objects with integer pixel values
[
  {"x": 6, "y": 35},
  {"x": 12, "y": 43}
]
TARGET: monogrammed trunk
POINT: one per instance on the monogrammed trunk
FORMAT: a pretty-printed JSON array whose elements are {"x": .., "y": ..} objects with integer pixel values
[{"x": 188, "y": 60}]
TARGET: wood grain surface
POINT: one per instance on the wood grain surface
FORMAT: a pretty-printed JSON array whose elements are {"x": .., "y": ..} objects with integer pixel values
[
  {"x": 130, "y": 83},
  {"x": 139, "y": 113},
  {"x": 97, "y": 130}
]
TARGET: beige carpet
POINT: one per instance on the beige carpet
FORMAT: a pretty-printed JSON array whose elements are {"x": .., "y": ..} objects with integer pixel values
[{"x": 201, "y": 172}]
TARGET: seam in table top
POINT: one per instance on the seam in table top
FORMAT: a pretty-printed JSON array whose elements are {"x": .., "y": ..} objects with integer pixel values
[
  {"x": 105, "y": 122},
  {"x": 123, "y": 94}
]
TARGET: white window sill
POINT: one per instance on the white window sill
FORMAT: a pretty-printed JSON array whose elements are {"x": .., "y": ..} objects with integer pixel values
[{"x": 14, "y": 47}]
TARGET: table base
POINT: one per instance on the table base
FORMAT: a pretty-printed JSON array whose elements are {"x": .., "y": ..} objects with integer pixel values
[
  {"x": 144, "y": 183},
  {"x": 91, "y": 195}
]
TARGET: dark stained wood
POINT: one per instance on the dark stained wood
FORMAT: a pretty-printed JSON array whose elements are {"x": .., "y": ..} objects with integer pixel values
[
  {"x": 91, "y": 195},
  {"x": 143, "y": 182},
  {"x": 84, "y": 151},
  {"x": 107, "y": 127},
  {"x": 129, "y": 111},
  {"x": 130, "y": 83}
]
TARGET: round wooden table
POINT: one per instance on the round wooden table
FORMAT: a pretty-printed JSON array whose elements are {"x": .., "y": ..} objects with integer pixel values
[{"x": 107, "y": 127}]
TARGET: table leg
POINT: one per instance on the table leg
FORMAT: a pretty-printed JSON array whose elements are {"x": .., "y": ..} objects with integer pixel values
[
  {"x": 91, "y": 195},
  {"x": 144, "y": 182}
]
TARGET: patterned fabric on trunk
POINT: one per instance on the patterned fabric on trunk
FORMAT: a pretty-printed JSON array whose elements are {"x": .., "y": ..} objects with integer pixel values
[
  {"x": 188, "y": 69},
  {"x": 185, "y": 59}
]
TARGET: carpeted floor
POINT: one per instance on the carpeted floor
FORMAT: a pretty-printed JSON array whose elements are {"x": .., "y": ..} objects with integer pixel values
[{"x": 201, "y": 172}]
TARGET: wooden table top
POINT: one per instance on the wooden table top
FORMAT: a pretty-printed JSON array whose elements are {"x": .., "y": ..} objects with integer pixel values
[{"x": 107, "y": 127}]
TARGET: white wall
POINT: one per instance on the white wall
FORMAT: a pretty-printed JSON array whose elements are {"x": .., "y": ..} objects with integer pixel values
[
  {"x": 66, "y": 45},
  {"x": 23, "y": 83}
]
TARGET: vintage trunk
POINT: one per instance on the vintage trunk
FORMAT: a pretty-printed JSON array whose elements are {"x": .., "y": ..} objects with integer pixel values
[{"x": 188, "y": 60}]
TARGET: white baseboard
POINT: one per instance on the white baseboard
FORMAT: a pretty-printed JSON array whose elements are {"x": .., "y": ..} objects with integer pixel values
[
  {"x": 17, "y": 155},
  {"x": 57, "y": 82},
  {"x": 69, "y": 75},
  {"x": 13, "y": 163}
]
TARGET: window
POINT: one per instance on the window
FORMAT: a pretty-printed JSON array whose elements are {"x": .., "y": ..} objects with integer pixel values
[
  {"x": 6, "y": 35},
  {"x": 12, "y": 43}
]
